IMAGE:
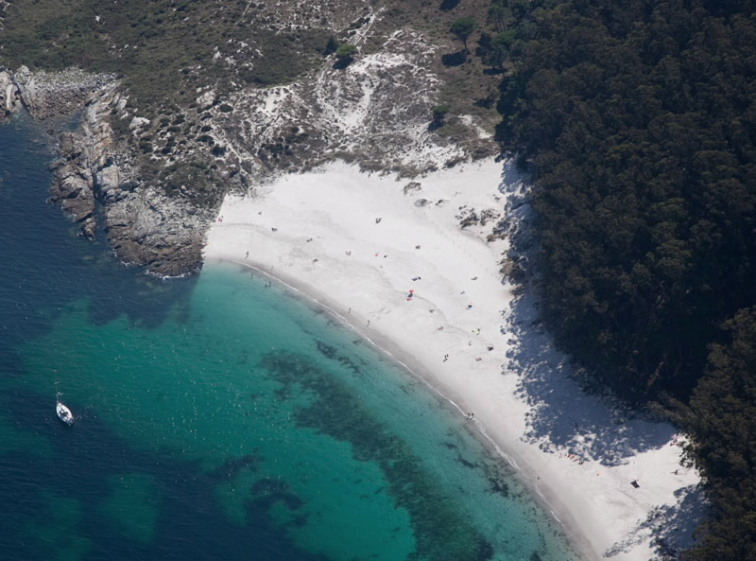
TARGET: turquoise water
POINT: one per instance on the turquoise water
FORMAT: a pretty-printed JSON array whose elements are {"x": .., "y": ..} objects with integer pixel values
[{"x": 218, "y": 418}]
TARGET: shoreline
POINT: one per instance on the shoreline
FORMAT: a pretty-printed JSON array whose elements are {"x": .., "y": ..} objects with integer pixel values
[
  {"x": 324, "y": 236},
  {"x": 568, "y": 531},
  {"x": 380, "y": 344}
]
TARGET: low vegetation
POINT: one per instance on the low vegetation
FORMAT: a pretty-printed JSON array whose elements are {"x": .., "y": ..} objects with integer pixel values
[
  {"x": 439, "y": 115},
  {"x": 163, "y": 49}
]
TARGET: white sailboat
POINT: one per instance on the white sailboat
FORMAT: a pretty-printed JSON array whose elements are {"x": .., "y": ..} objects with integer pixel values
[{"x": 63, "y": 412}]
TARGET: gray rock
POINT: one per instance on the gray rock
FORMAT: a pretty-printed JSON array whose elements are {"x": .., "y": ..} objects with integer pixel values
[
  {"x": 10, "y": 97},
  {"x": 142, "y": 224},
  {"x": 55, "y": 94}
]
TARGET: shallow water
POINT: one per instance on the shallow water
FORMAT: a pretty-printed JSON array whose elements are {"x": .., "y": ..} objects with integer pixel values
[{"x": 218, "y": 418}]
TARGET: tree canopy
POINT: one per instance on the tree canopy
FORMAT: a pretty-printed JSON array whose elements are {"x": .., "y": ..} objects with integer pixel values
[
  {"x": 346, "y": 51},
  {"x": 637, "y": 120},
  {"x": 639, "y": 124},
  {"x": 463, "y": 28},
  {"x": 723, "y": 415},
  {"x": 345, "y": 55}
]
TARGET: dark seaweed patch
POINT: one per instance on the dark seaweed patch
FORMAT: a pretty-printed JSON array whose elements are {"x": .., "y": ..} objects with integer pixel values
[
  {"x": 232, "y": 466},
  {"x": 499, "y": 487},
  {"x": 441, "y": 531},
  {"x": 269, "y": 491},
  {"x": 332, "y": 353},
  {"x": 327, "y": 351},
  {"x": 466, "y": 463}
]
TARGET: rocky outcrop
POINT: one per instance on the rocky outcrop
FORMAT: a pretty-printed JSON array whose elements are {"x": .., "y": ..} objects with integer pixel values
[
  {"x": 73, "y": 186},
  {"x": 147, "y": 227},
  {"x": 10, "y": 96},
  {"x": 48, "y": 95},
  {"x": 96, "y": 180},
  {"x": 143, "y": 225},
  {"x": 165, "y": 234},
  {"x": 81, "y": 154}
]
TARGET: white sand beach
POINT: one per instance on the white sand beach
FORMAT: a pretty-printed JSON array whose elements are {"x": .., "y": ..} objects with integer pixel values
[{"x": 389, "y": 256}]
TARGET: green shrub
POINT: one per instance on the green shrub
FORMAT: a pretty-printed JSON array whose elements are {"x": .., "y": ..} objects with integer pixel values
[
  {"x": 346, "y": 50},
  {"x": 331, "y": 46},
  {"x": 439, "y": 114},
  {"x": 345, "y": 55},
  {"x": 463, "y": 28}
]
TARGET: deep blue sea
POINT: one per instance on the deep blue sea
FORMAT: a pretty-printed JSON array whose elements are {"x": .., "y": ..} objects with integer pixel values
[{"x": 217, "y": 418}]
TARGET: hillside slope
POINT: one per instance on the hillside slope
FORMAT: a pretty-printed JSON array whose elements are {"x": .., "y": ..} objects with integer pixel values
[{"x": 199, "y": 99}]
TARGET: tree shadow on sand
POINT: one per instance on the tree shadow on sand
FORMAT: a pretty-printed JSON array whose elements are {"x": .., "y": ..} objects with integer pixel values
[
  {"x": 563, "y": 417},
  {"x": 670, "y": 526}
]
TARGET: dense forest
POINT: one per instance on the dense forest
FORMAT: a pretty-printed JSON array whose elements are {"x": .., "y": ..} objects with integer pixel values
[{"x": 637, "y": 120}]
